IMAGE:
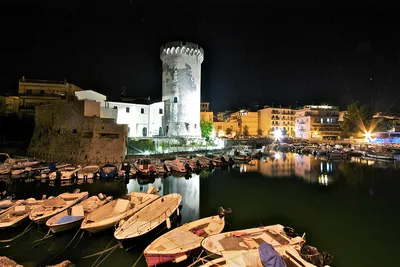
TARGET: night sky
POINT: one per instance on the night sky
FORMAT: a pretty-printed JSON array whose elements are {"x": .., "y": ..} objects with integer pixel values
[{"x": 259, "y": 53}]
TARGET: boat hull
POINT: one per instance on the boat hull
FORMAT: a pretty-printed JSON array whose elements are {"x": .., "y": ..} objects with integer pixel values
[
  {"x": 65, "y": 227},
  {"x": 96, "y": 228},
  {"x": 15, "y": 223},
  {"x": 155, "y": 259}
]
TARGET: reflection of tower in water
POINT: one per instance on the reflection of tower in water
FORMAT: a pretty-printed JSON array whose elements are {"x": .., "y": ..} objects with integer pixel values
[{"x": 189, "y": 189}]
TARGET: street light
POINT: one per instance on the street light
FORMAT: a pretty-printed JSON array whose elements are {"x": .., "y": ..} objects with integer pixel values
[{"x": 277, "y": 134}]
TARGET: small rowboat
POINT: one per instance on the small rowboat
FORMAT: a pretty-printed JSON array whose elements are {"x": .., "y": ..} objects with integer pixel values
[
  {"x": 73, "y": 216},
  {"x": 110, "y": 214},
  {"x": 148, "y": 218},
  {"x": 177, "y": 244},
  {"x": 52, "y": 206},
  {"x": 18, "y": 213}
]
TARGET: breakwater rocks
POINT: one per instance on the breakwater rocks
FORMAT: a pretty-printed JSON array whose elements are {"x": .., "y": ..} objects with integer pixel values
[{"x": 6, "y": 262}]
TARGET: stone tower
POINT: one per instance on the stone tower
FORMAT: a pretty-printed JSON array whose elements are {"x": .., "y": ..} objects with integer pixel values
[{"x": 181, "y": 88}]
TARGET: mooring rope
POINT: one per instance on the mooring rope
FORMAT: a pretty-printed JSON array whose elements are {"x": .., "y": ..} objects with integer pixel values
[
  {"x": 106, "y": 256},
  {"x": 27, "y": 229},
  {"x": 47, "y": 235},
  {"x": 80, "y": 238},
  {"x": 137, "y": 261},
  {"x": 102, "y": 252}
]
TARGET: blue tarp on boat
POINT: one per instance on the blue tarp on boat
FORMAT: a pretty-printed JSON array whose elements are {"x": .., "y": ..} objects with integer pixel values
[
  {"x": 68, "y": 219},
  {"x": 269, "y": 257}
]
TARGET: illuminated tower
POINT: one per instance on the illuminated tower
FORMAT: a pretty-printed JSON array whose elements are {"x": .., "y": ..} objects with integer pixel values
[{"x": 181, "y": 88}]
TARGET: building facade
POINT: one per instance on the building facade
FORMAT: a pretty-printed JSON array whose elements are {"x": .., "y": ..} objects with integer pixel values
[
  {"x": 205, "y": 113},
  {"x": 271, "y": 119},
  {"x": 34, "y": 93},
  {"x": 181, "y": 79},
  {"x": 245, "y": 118},
  {"x": 317, "y": 122},
  {"x": 221, "y": 128},
  {"x": 74, "y": 132}
]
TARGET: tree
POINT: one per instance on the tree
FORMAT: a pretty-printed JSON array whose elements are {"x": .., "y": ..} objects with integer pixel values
[
  {"x": 246, "y": 130},
  {"x": 357, "y": 119},
  {"x": 228, "y": 131},
  {"x": 206, "y": 129}
]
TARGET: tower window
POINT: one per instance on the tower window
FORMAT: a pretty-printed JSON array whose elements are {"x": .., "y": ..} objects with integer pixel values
[
  {"x": 115, "y": 107},
  {"x": 142, "y": 110},
  {"x": 127, "y": 109},
  {"x": 175, "y": 99},
  {"x": 160, "y": 111}
]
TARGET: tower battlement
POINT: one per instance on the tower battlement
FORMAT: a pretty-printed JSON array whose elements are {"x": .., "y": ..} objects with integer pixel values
[{"x": 183, "y": 48}]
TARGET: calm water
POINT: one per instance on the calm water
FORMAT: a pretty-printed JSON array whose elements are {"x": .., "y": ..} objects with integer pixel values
[{"x": 347, "y": 208}]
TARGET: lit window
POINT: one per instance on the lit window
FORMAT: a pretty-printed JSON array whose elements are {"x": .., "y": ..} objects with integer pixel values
[
  {"x": 160, "y": 111},
  {"x": 142, "y": 110}
]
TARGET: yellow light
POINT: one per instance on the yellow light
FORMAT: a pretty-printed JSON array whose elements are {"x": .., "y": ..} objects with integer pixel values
[{"x": 368, "y": 135}]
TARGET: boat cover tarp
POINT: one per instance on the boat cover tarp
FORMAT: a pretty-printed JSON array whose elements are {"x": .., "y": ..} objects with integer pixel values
[
  {"x": 269, "y": 257},
  {"x": 68, "y": 219}
]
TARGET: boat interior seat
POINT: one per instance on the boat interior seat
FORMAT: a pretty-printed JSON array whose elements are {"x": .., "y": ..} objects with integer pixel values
[
  {"x": 19, "y": 210},
  {"x": 121, "y": 206},
  {"x": 77, "y": 211}
]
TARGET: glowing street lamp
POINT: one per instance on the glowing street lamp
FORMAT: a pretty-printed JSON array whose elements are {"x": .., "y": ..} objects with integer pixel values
[
  {"x": 278, "y": 134},
  {"x": 368, "y": 135}
]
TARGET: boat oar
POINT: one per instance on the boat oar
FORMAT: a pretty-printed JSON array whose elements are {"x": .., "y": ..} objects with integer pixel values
[{"x": 27, "y": 229}]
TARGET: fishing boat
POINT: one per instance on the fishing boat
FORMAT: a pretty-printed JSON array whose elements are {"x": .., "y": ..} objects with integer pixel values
[
  {"x": 178, "y": 166},
  {"x": 52, "y": 206},
  {"x": 73, "y": 216},
  {"x": 264, "y": 255},
  {"x": 147, "y": 219},
  {"x": 108, "y": 171},
  {"x": 88, "y": 172},
  {"x": 110, "y": 214},
  {"x": 278, "y": 236},
  {"x": 18, "y": 213},
  {"x": 6, "y": 204},
  {"x": 66, "y": 173},
  {"x": 177, "y": 244},
  {"x": 144, "y": 167},
  {"x": 384, "y": 155}
]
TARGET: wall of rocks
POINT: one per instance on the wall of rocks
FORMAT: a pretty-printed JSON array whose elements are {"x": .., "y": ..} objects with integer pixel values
[{"x": 63, "y": 133}]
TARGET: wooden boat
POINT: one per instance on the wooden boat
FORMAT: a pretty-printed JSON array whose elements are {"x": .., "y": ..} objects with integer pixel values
[
  {"x": 177, "y": 244},
  {"x": 244, "y": 240},
  {"x": 149, "y": 217},
  {"x": 18, "y": 213},
  {"x": 384, "y": 155},
  {"x": 53, "y": 206},
  {"x": 88, "y": 172},
  {"x": 6, "y": 204},
  {"x": 66, "y": 173},
  {"x": 73, "y": 216},
  {"x": 110, "y": 214}
]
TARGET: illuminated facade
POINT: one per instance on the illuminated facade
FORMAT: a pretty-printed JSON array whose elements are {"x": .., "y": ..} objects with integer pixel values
[
  {"x": 245, "y": 118},
  {"x": 272, "y": 119},
  {"x": 181, "y": 80},
  {"x": 317, "y": 122},
  {"x": 221, "y": 128},
  {"x": 205, "y": 113}
]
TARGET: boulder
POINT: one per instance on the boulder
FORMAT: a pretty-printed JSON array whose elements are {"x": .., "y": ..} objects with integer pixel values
[
  {"x": 6, "y": 262},
  {"x": 63, "y": 264}
]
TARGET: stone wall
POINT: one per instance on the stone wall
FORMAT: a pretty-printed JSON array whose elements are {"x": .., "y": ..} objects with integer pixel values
[{"x": 63, "y": 133}]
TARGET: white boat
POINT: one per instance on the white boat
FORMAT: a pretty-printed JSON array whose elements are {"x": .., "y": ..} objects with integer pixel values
[
  {"x": 177, "y": 244},
  {"x": 73, "y": 216},
  {"x": 67, "y": 173},
  {"x": 176, "y": 166},
  {"x": 18, "y": 213},
  {"x": 23, "y": 163},
  {"x": 88, "y": 172},
  {"x": 6, "y": 204},
  {"x": 244, "y": 240},
  {"x": 53, "y": 206},
  {"x": 148, "y": 218},
  {"x": 6, "y": 163},
  {"x": 380, "y": 155},
  {"x": 110, "y": 214}
]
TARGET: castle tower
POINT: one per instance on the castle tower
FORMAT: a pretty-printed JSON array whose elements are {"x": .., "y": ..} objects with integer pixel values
[{"x": 181, "y": 88}]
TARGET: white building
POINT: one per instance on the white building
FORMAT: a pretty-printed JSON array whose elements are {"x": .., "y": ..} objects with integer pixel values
[{"x": 142, "y": 120}]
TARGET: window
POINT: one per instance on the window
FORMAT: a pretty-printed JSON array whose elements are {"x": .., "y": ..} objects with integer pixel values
[
  {"x": 144, "y": 131},
  {"x": 160, "y": 111},
  {"x": 28, "y": 92},
  {"x": 115, "y": 107},
  {"x": 42, "y": 92},
  {"x": 160, "y": 131},
  {"x": 127, "y": 109},
  {"x": 142, "y": 110},
  {"x": 175, "y": 99}
]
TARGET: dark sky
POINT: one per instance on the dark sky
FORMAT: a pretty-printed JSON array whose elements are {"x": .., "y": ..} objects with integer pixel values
[{"x": 262, "y": 52}]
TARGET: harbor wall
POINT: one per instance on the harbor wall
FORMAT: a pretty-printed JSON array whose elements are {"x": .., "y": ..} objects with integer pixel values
[{"x": 63, "y": 133}]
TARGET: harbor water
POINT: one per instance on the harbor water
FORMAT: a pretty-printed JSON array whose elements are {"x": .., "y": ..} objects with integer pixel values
[{"x": 349, "y": 208}]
